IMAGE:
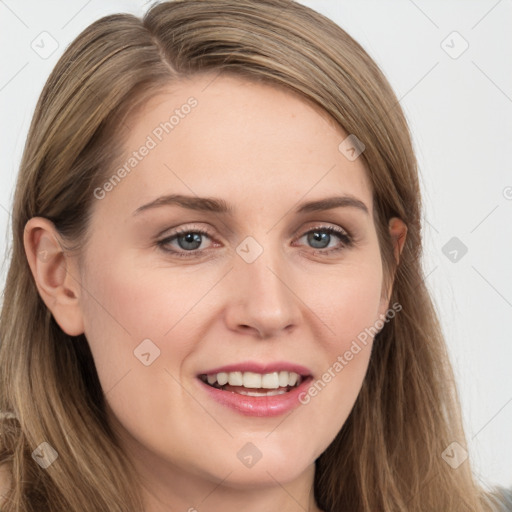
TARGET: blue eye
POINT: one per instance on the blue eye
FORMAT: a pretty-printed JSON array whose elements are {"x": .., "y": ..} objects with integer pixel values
[
  {"x": 319, "y": 236},
  {"x": 189, "y": 241},
  {"x": 192, "y": 238}
]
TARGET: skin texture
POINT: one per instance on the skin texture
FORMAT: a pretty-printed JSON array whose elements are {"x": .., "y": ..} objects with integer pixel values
[{"x": 262, "y": 150}]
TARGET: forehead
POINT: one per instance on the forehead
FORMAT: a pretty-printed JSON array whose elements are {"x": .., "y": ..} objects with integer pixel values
[{"x": 212, "y": 134}]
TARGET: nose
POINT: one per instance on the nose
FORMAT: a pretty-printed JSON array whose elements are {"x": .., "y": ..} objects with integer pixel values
[{"x": 261, "y": 297}]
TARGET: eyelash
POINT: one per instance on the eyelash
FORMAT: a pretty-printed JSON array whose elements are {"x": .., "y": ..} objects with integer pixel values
[{"x": 344, "y": 236}]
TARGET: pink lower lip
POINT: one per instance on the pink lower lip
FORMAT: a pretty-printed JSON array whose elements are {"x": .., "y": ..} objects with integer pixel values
[{"x": 258, "y": 405}]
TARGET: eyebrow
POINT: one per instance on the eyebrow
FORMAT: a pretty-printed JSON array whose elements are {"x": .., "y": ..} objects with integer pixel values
[{"x": 215, "y": 205}]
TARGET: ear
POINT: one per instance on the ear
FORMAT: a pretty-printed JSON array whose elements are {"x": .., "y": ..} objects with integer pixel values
[
  {"x": 398, "y": 233},
  {"x": 55, "y": 273}
]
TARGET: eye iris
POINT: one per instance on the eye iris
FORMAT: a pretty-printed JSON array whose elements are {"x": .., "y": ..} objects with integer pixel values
[
  {"x": 190, "y": 238},
  {"x": 316, "y": 236}
]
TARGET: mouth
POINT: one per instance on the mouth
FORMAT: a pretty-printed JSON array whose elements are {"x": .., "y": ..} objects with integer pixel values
[{"x": 255, "y": 384}]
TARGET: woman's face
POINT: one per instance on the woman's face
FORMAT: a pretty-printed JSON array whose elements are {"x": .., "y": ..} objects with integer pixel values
[{"x": 258, "y": 288}]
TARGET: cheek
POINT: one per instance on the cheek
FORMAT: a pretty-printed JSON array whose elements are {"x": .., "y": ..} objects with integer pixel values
[
  {"x": 350, "y": 308},
  {"x": 348, "y": 301},
  {"x": 127, "y": 304}
]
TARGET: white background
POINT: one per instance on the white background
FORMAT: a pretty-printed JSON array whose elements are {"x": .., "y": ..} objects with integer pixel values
[{"x": 460, "y": 112}]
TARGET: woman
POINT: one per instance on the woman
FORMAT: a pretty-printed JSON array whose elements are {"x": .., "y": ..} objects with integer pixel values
[{"x": 256, "y": 368}]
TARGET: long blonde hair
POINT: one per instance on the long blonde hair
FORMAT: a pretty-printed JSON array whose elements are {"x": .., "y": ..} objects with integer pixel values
[{"x": 388, "y": 455}]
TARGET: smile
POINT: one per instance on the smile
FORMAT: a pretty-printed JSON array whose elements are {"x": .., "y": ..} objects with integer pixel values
[
  {"x": 254, "y": 384},
  {"x": 253, "y": 389}
]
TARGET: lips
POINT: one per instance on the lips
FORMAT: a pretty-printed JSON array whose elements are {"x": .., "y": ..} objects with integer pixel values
[{"x": 256, "y": 389}]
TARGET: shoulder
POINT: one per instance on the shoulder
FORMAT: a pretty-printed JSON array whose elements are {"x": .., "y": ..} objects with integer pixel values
[
  {"x": 5, "y": 465},
  {"x": 5, "y": 483},
  {"x": 507, "y": 499},
  {"x": 502, "y": 499}
]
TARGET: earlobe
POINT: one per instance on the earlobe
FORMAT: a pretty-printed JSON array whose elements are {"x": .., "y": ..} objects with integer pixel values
[
  {"x": 54, "y": 274},
  {"x": 398, "y": 232}
]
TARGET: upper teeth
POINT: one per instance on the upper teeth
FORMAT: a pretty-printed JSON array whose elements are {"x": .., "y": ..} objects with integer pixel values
[{"x": 272, "y": 380}]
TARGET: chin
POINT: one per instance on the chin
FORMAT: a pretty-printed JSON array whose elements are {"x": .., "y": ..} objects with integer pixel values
[
  {"x": 259, "y": 476},
  {"x": 260, "y": 468}
]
